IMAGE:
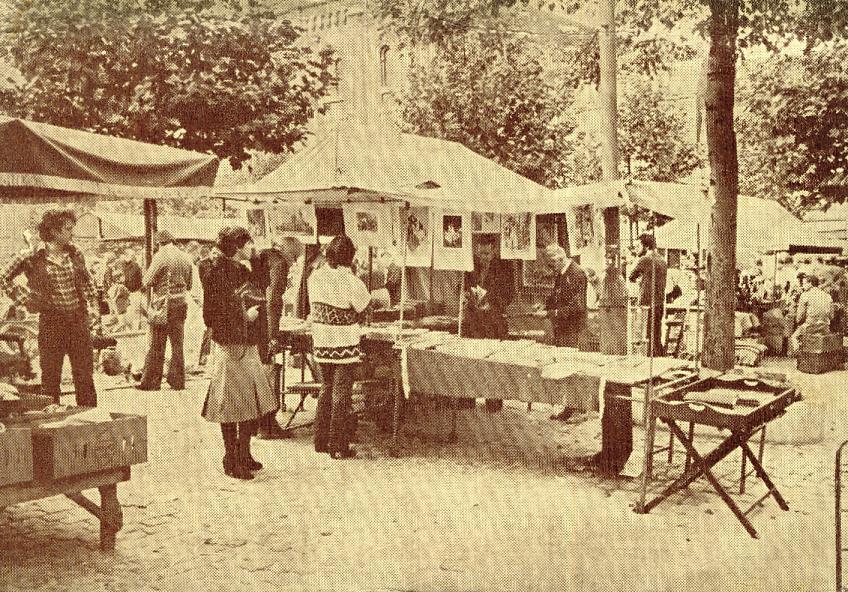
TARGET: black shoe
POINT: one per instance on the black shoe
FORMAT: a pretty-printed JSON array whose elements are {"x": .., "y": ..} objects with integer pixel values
[
  {"x": 252, "y": 464},
  {"x": 322, "y": 448},
  {"x": 563, "y": 415},
  {"x": 146, "y": 387},
  {"x": 273, "y": 432},
  {"x": 340, "y": 454},
  {"x": 235, "y": 470}
]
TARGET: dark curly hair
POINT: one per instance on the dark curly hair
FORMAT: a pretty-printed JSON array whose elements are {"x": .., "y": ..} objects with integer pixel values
[
  {"x": 232, "y": 238},
  {"x": 340, "y": 251},
  {"x": 52, "y": 222}
]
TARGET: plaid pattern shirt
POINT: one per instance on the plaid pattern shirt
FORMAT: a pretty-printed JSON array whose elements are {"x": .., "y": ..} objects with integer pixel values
[{"x": 63, "y": 293}]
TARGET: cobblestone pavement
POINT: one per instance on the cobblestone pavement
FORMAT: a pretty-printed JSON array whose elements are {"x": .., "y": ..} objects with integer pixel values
[{"x": 501, "y": 508}]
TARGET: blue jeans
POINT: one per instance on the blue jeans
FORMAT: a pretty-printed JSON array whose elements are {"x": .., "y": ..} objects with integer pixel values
[
  {"x": 173, "y": 329},
  {"x": 60, "y": 334}
]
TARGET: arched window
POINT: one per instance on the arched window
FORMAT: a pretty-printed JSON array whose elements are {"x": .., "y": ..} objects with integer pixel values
[{"x": 384, "y": 65}]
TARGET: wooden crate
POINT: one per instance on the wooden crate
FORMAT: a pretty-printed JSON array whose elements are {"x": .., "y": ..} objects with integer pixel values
[
  {"x": 70, "y": 450},
  {"x": 821, "y": 343},
  {"x": 819, "y": 363},
  {"x": 15, "y": 456}
]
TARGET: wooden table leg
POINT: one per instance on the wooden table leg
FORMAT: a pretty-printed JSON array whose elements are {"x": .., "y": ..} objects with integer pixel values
[
  {"x": 111, "y": 516},
  {"x": 704, "y": 469},
  {"x": 397, "y": 394},
  {"x": 761, "y": 473}
]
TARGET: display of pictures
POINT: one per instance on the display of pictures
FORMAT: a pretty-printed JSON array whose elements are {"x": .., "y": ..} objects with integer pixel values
[
  {"x": 538, "y": 273},
  {"x": 368, "y": 225},
  {"x": 453, "y": 245},
  {"x": 581, "y": 227},
  {"x": 518, "y": 236},
  {"x": 257, "y": 224},
  {"x": 296, "y": 220},
  {"x": 452, "y": 232},
  {"x": 485, "y": 223},
  {"x": 418, "y": 226}
]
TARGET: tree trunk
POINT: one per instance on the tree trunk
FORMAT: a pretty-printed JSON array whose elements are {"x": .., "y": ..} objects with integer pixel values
[{"x": 721, "y": 142}]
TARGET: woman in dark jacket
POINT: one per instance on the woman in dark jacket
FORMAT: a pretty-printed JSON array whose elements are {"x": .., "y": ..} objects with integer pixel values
[{"x": 239, "y": 390}]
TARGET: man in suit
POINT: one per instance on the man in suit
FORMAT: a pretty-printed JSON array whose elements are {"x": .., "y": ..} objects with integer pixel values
[
  {"x": 495, "y": 289},
  {"x": 652, "y": 269},
  {"x": 566, "y": 305}
]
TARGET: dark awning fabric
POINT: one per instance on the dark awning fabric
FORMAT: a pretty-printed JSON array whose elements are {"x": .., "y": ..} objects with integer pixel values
[{"x": 49, "y": 157}]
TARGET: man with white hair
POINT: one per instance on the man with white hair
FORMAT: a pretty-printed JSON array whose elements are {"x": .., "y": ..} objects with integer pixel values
[{"x": 566, "y": 305}]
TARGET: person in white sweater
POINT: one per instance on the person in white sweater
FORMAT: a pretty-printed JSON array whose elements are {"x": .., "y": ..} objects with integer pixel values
[{"x": 336, "y": 298}]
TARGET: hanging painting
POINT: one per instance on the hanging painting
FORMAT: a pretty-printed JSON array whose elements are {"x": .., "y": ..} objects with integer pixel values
[
  {"x": 485, "y": 223},
  {"x": 296, "y": 220},
  {"x": 518, "y": 236},
  {"x": 368, "y": 225},
  {"x": 257, "y": 224},
  {"x": 453, "y": 241},
  {"x": 419, "y": 236}
]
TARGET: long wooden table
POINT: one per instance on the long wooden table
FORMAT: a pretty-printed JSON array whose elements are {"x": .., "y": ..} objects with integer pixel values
[{"x": 109, "y": 512}]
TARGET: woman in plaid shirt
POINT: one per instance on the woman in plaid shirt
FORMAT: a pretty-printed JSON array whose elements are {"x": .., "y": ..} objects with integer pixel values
[{"x": 63, "y": 293}]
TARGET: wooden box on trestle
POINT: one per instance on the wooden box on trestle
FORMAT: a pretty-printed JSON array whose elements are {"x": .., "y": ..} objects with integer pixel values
[
  {"x": 15, "y": 456},
  {"x": 71, "y": 449}
]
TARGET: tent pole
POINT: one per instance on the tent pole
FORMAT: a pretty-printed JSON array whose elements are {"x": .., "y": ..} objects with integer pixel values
[
  {"x": 698, "y": 297},
  {"x": 647, "y": 413},
  {"x": 461, "y": 305},
  {"x": 404, "y": 230},
  {"x": 149, "y": 229}
]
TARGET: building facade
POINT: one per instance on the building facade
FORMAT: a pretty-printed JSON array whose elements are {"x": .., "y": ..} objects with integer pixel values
[{"x": 371, "y": 65}]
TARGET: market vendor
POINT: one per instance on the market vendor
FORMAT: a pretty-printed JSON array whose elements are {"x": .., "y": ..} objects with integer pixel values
[
  {"x": 490, "y": 290},
  {"x": 566, "y": 305},
  {"x": 63, "y": 293},
  {"x": 651, "y": 270},
  {"x": 815, "y": 310}
]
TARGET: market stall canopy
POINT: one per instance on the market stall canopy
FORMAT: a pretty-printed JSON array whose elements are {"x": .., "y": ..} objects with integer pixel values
[
  {"x": 119, "y": 226},
  {"x": 57, "y": 159},
  {"x": 675, "y": 200},
  {"x": 380, "y": 163},
  {"x": 763, "y": 226}
]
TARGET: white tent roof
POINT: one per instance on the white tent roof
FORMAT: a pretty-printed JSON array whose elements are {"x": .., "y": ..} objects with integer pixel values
[
  {"x": 119, "y": 226},
  {"x": 379, "y": 163}
]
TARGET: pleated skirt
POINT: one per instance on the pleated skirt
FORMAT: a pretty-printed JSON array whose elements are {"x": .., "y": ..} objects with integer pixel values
[{"x": 239, "y": 386}]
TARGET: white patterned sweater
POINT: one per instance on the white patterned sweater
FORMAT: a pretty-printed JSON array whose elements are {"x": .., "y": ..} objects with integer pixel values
[{"x": 336, "y": 297}]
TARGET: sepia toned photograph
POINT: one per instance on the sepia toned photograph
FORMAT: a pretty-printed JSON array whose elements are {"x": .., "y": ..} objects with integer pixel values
[
  {"x": 423, "y": 296},
  {"x": 452, "y": 232}
]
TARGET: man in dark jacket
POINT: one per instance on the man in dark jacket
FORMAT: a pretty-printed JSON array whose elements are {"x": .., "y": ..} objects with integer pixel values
[
  {"x": 270, "y": 272},
  {"x": 63, "y": 293},
  {"x": 492, "y": 278},
  {"x": 652, "y": 270},
  {"x": 566, "y": 304}
]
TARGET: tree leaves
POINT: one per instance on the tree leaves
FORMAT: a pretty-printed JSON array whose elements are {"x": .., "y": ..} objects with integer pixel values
[{"x": 172, "y": 72}]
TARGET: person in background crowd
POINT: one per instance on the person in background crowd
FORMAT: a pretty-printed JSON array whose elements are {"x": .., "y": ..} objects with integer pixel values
[
  {"x": 64, "y": 295},
  {"x": 394, "y": 276},
  {"x": 204, "y": 264},
  {"x": 271, "y": 272},
  {"x": 651, "y": 269},
  {"x": 169, "y": 276},
  {"x": 566, "y": 305},
  {"x": 239, "y": 391},
  {"x": 814, "y": 312},
  {"x": 336, "y": 297},
  {"x": 491, "y": 289}
]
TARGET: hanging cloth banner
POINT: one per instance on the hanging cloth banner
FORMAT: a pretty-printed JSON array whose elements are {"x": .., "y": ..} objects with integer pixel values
[
  {"x": 452, "y": 250},
  {"x": 518, "y": 236},
  {"x": 292, "y": 219},
  {"x": 419, "y": 235},
  {"x": 368, "y": 224}
]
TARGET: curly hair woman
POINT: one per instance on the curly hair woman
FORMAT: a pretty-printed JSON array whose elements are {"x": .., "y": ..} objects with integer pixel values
[{"x": 239, "y": 390}]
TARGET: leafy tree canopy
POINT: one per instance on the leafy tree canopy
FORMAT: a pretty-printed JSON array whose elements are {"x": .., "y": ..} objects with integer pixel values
[
  {"x": 793, "y": 125},
  {"x": 492, "y": 95},
  {"x": 188, "y": 73}
]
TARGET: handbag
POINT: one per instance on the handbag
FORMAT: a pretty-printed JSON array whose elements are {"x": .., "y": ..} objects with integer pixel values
[{"x": 157, "y": 308}]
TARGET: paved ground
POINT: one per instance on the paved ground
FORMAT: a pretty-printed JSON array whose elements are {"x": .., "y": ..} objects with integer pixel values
[{"x": 503, "y": 508}]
